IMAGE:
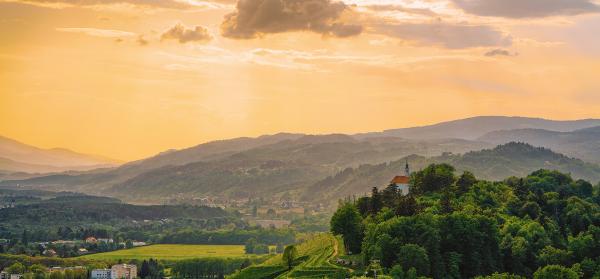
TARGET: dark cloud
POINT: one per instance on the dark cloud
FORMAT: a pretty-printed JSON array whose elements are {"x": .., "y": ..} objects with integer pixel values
[
  {"x": 527, "y": 8},
  {"x": 448, "y": 35},
  {"x": 399, "y": 8},
  {"x": 184, "y": 35},
  {"x": 253, "y": 18},
  {"x": 499, "y": 52}
]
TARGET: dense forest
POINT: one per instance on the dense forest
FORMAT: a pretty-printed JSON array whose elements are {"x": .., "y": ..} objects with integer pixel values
[
  {"x": 455, "y": 226},
  {"x": 68, "y": 217}
]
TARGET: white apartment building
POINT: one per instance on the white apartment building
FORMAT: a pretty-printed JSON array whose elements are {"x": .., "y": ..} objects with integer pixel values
[{"x": 100, "y": 273}]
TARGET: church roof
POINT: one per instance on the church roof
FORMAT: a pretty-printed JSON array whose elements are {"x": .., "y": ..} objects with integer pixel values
[{"x": 400, "y": 179}]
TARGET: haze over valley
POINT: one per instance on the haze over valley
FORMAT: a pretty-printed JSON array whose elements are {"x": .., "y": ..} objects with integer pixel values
[{"x": 329, "y": 167}]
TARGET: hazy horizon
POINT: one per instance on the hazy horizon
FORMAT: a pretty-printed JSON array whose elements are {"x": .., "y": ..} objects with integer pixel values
[
  {"x": 129, "y": 78},
  {"x": 277, "y": 132}
]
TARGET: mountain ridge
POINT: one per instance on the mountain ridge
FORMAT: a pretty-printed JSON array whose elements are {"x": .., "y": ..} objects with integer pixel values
[
  {"x": 474, "y": 127},
  {"x": 16, "y": 156}
]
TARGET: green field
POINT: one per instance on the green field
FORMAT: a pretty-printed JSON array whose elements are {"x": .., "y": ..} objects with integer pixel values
[
  {"x": 173, "y": 252},
  {"x": 314, "y": 261}
]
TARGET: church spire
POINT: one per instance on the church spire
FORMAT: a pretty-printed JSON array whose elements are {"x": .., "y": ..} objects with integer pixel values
[{"x": 406, "y": 169}]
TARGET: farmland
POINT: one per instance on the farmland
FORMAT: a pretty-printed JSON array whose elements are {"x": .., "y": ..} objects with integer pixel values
[
  {"x": 173, "y": 252},
  {"x": 313, "y": 261}
]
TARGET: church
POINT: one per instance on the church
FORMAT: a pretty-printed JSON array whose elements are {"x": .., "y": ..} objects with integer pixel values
[{"x": 402, "y": 182}]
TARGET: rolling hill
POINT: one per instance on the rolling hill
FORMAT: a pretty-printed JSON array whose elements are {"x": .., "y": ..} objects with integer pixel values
[
  {"x": 274, "y": 165},
  {"x": 512, "y": 159},
  {"x": 272, "y": 169},
  {"x": 583, "y": 143}
]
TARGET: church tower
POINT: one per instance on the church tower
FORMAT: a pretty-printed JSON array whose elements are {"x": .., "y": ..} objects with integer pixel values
[{"x": 406, "y": 169}]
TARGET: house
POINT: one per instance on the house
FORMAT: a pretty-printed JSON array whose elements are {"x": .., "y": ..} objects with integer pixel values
[
  {"x": 16, "y": 276},
  {"x": 82, "y": 251},
  {"x": 4, "y": 275},
  {"x": 100, "y": 274},
  {"x": 123, "y": 271},
  {"x": 91, "y": 240},
  {"x": 106, "y": 240},
  {"x": 402, "y": 182}
]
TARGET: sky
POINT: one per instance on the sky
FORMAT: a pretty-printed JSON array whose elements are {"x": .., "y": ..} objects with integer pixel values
[{"x": 127, "y": 79}]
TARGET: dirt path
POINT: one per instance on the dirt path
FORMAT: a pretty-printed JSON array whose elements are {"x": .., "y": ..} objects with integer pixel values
[{"x": 335, "y": 248}]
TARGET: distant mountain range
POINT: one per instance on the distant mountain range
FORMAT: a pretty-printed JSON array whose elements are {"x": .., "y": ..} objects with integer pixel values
[
  {"x": 476, "y": 127},
  {"x": 294, "y": 164},
  {"x": 19, "y": 157}
]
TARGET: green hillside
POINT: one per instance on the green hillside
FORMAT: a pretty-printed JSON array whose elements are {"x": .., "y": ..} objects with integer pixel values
[
  {"x": 455, "y": 225},
  {"x": 315, "y": 257}
]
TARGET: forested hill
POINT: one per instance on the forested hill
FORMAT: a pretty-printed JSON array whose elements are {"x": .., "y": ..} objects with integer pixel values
[
  {"x": 583, "y": 143},
  {"x": 512, "y": 159},
  {"x": 453, "y": 225}
]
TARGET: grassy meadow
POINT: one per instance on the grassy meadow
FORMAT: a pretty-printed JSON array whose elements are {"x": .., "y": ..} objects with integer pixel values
[{"x": 173, "y": 252}]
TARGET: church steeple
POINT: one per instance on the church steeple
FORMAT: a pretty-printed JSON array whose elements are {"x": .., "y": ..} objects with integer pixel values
[{"x": 407, "y": 169}]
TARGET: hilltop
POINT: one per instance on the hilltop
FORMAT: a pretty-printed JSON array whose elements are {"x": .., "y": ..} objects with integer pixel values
[{"x": 582, "y": 143}]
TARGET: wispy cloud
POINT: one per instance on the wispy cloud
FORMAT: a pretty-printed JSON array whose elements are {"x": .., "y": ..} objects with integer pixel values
[
  {"x": 160, "y": 4},
  {"x": 527, "y": 8},
  {"x": 446, "y": 34},
  {"x": 97, "y": 32}
]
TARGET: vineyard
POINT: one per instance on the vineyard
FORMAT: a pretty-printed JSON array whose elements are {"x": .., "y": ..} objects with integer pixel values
[{"x": 314, "y": 261}]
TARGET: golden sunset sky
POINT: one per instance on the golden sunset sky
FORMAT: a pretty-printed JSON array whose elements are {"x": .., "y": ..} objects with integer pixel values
[{"x": 130, "y": 78}]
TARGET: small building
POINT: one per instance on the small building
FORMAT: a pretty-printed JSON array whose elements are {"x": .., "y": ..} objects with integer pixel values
[
  {"x": 139, "y": 243},
  {"x": 100, "y": 273},
  {"x": 123, "y": 271},
  {"x": 4, "y": 275},
  {"x": 16, "y": 276},
  {"x": 91, "y": 240},
  {"x": 402, "y": 182},
  {"x": 82, "y": 251}
]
